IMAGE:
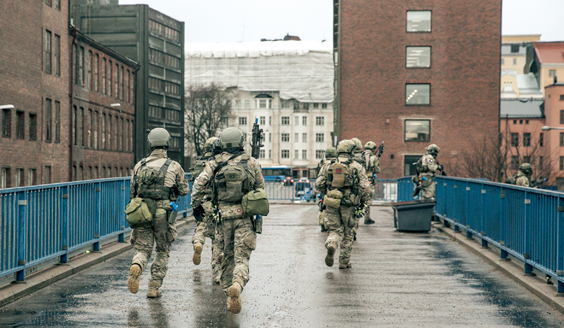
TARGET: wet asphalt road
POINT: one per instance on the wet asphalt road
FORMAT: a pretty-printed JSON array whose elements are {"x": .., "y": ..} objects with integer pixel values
[{"x": 397, "y": 280}]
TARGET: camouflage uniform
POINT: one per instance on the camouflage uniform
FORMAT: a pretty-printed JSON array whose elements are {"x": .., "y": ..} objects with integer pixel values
[
  {"x": 341, "y": 221},
  {"x": 358, "y": 156},
  {"x": 161, "y": 232},
  {"x": 238, "y": 236},
  {"x": 372, "y": 166},
  {"x": 329, "y": 157},
  {"x": 427, "y": 166}
]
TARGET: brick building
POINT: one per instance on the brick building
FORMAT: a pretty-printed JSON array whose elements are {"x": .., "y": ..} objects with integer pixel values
[{"x": 415, "y": 73}]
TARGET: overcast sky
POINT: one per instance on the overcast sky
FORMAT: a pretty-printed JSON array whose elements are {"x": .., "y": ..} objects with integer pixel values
[{"x": 251, "y": 20}]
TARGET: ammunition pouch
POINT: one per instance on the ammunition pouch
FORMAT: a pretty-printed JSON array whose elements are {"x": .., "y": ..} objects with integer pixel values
[
  {"x": 415, "y": 179},
  {"x": 255, "y": 203},
  {"x": 138, "y": 214}
]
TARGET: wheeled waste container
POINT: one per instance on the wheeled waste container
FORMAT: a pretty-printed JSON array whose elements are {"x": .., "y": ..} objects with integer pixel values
[{"x": 413, "y": 215}]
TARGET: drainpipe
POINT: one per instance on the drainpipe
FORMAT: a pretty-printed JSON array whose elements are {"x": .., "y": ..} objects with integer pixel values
[{"x": 71, "y": 96}]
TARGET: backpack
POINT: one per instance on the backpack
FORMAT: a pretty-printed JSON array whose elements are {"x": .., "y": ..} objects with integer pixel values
[
  {"x": 340, "y": 175},
  {"x": 232, "y": 180},
  {"x": 150, "y": 181},
  {"x": 512, "y": 179}
]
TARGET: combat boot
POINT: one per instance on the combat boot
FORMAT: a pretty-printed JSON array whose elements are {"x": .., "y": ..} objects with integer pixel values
[
  {"x": 197, "y": 258},
  {"x": 344, "y": 264},
  {"x": 153, "y": 290},
  {"x": 134, "y": 274},
  {"x": 369, "y": 221},
  {"x": 234, "y": 298},
  {"x": 330, "y": 252}
]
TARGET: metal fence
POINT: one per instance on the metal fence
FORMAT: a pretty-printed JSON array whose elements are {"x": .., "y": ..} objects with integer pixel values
[
  {"x": 46, "y": 222},
  {"x": 525, "y": 223}
]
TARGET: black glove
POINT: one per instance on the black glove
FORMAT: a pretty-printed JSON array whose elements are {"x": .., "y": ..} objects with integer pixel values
[
  {"x": 441, "y": 168},
  {"x": 199, "y": 213}
]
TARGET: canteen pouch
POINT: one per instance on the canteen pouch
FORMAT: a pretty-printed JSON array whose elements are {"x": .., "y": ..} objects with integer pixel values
[
  {"x": 255, "y": 203},
  {"x": 137, "y": 213}
]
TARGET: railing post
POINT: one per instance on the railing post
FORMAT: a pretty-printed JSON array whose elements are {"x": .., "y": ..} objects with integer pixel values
[
  {"x": 97, "y": 215},
  {"x": 65, "y": 224},
  {"x": 121, "y": 236},
  {"x": 560, "y": 245},
  {"x": 527, "y": 246},
  {"x": 483, "y": 216},
  {"x": 502, "y": 224},
  {"x": 22, "y": 222}
]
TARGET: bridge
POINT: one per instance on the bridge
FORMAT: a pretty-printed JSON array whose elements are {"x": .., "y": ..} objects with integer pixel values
[{"x": 397, "y": 279}]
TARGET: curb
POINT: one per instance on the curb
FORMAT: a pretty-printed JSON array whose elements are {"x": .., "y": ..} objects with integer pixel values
[
  {"x": 535, "y": 284},
  {"x": 14, "y": 291}
]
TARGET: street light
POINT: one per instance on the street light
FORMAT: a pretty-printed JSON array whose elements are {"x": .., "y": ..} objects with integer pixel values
[
  {"x": 7, "y": 107},
  {"x": 547, "y": 128}
]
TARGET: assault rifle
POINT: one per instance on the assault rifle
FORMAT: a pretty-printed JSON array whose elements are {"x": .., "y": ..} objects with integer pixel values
[
  {"x": 537, "y": 183},
  {"x": 380, "y": 149},
  {"x": 258, "y": 138}
]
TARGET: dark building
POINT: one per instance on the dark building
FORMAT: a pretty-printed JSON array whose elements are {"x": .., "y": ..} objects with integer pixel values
[
  {"x": 156, "y": 42},
  {"x": 415, "y": 73}
]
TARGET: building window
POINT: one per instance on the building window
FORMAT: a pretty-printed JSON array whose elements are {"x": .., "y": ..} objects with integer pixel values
[
  {"x": 103, "y": 76},
  {"x": 47, "y": 175},
  {"x": 242, "y": 120},
  {"x": 49, "y": 2},
  {"x": 80, "y": 127},
  {"x": 109, "y": 86},
  {"x": 514, "y": 49},
  {"x": 96, "y": 77},
  {"x": 502, "y": 61},
  {"x": 304, "y": 120},
  {"x": 285, "y": 137},
  {"x": 417, "y": 130},
  {"x": 551, "y": 73},
  {"x": 296, "y": 104},
  {"x": 89, "y": 70},
  {"x": 418, "y": 57},
  {"x": 262, "y": 154},
  {"x": 48, "y": 119},
  {"x": 319, "y": 154},
  {"x": 320, "y": 120},
  {"x": 315, "y": 105},
  {"x": 296, "y": 154},
  {"x": 561, "y": 163},
  {"x": 88, "y": 129},
  {"x": 80, "y": 73},
  {"x": 417, "y": 94},
  {"x": 514, "y": 162},
  {"x": 285, "y": 103},
  {"x": 6, "y": 178},
  {"x": 514, "y": 61},
  {"x": 57, "y": 55},
  {"x": 419, "y": 21},
  {"x": 126, "y": 88},
  {"x": 320, "y": 137},
  {"x": 270, "y": 154},
  {"x": 262, "y": 120},
  {"x": 296, "y": 137},
  {"x": 296, "y": 120},
  {"x": 304, "y": 137},
  {"x": 304, "y": 154},
  {"x": 561, "y": 139},
  {"x": 95, "y": 129},
  {"x": 270, "y": 120},
  {"x": 541, "y": 139},
  {"x": 121, "y": 83},
  {"x": 31, "y": 177},
  {"x": 224, "y": 121},
  {"x": 20, "y": 125},
  {"x": 32, "y": 126},
  {"x": 103, "y": 131},
  {"x": 132, "y": 86},
  {"x": 269, "y": 137},
  {"x": 116, "y": 81},
  {"x": 526, "y": 139},
  {"x": 58, "y": 4},
  {"x": 515, "y": 139},
  {"x": 20, "y": 176},
  {"x": 57, "y": 121},
  {"x": 324, "y": 106},
  {"x": 305, "y": 105},
  {"x": 47, "y": 52},
  {"x": 285, "y": 153},
  {"x": 527, "y": 159},
  {"x": 285, "y": 120},
  {"x": 6, "y": 123}
]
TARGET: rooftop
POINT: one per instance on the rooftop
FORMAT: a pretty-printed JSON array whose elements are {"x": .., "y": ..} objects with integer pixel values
[
  {"x": 550, "y": 52},
  {"x": 521, "y": 108}
]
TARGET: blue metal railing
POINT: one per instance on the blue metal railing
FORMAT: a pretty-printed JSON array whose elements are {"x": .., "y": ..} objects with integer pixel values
[
  {"x": 525, "y": 223},
  {"x": 41, "y": 223}
]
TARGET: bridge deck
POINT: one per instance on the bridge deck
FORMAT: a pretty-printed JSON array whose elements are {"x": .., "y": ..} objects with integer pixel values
[{"x": 397, "y": 280}]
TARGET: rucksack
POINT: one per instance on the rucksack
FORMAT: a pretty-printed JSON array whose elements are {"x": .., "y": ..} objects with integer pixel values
[
  {"x": 339, "y": 175},
  {"x": 232, "y": 180},
  {"x": 150, "y": 181}
]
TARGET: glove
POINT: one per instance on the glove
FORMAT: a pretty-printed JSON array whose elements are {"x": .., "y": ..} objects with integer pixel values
[
  {"x": 199, "y": 213},
  {"x": 441, "y": 168}
]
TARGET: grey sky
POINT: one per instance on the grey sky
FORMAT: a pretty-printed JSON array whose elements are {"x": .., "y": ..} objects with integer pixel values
[{"x": 251, "y": 20}]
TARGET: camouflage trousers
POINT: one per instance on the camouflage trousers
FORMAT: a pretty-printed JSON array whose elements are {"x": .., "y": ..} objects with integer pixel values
[
  {"x": 322, "y": 218},
  {"x": 163, "y": 234},
  {"x": 428, "y": 189},
  {"x": 367, "y": 211},
  {"x": 340, "y": 225},
  {"x": 239, "y": 241},
  {"x": 209, "y": 230}
]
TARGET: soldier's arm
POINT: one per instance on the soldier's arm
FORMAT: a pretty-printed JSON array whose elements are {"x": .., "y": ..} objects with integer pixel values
[
  {"x": 523, "y": 182},
  {"x": 259, "y": 179},
  {"x": 363, "y": 186},
  {"x": 321, "y": 181},
  {"x": 133, "y": 183},
  {"x": 181, "y": 182},
  {"x": 199, "y": 188},
  {"x": 376, "y": 165},
  {"x": 431, "y": 163}
]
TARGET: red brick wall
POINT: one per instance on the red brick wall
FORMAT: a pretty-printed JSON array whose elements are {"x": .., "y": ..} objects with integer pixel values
[{"x": 464, "y": 75}]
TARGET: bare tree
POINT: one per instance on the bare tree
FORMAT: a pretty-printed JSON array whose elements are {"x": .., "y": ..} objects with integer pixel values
[{"x": 208, "y": 107}]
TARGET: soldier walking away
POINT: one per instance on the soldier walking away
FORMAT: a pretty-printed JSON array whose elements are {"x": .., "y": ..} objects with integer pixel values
[
  {"x": 234, "y": 174},
  {"x": 359, "y": 158},
  {"x": 330, "y": 156},
  {"x": 206, "y": 227},
  {"x": 157, "y": 180},
  {"x": 345, "y": 186},
  {"x": 522, "y": 178},
  {"x": 427, "y": 165},
  {"x": 372, "y": 166}
]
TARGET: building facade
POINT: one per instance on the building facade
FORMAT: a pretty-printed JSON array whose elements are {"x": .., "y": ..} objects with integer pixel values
[
  {"x": 403, "y": 75},
  {"x": 156, "y": 42},
  {"x": 548, "y": 63}
]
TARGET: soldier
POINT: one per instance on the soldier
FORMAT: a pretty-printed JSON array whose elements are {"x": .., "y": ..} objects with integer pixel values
[
  {"x": 234, "y": 174},
  {"x": 358, "y": 151},
  {"x": 426, "y": 167},
  {"x": 157, "y": 180},
  {"x": 330, "y": 156},
  {"x": 372, "y": 166},
  {"x": 205, "y": 227},
  {"x": 345, "y": 186},
  {"x": 522, "y": 178}
]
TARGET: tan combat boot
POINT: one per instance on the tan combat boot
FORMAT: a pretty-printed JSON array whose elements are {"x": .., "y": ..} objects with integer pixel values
[
  {"x": 197, "y": 258},
  {"x": 153, "y": 290},
  {"x": 330, "y": 252},
  {"x": 134, "y": 274},
  {"x": 344, "y": 264},
  {"x": 234, "y": 298}
]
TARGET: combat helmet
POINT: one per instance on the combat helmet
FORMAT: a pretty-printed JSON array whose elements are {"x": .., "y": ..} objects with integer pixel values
[
  {"x": 330, "y": 153},
  {"x": 357, "y": 144},
  {"x": 526, "y": 168},
  {"x": 158, "y": 137},
  {"x": 345, "y": 146},
  {"x": 208, "y": 146},
  {"x": 231, "y": 138},
  {"x": 370, "y": 145},
  {"x": 433, "y": 149}
]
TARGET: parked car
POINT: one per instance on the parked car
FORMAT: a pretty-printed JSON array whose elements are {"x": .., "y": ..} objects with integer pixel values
[
  {"x": 305, "y": 190},
  {"x": 288, "y": 181}
]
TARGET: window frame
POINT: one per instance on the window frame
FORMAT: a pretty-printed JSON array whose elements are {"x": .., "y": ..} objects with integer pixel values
[
  {"x": 416, "y": 120},
  {"x": 405, "y": 96},
  {"x": 407, "y": 21},
  {"x": 415, "y": 67}
]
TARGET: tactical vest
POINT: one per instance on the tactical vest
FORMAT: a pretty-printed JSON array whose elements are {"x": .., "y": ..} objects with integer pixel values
[
  {"x": 420, "y": 168},
  {"x": 513, "y": 179},
  {"x": 340, "y": 176},
  {"x": 199, "y": 166},
  {"x": 150, "y": 181},
  {"x": 368, "y": 164},
  {"x": 359, "y": 158},
  {"x": 232, "y": 181}
]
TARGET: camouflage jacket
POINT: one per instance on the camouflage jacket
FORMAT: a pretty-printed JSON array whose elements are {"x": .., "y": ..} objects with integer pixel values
[
  {"x": 431, "y": 163},
  {"x": 358, "y": 157},
  {"x": 208, "y": 174},
  {"x": 522, "y": 179},
  {"x": 371, "y": 164},
  {"x": 363, "y": 184},
  {"x": 174, "y": 178}
]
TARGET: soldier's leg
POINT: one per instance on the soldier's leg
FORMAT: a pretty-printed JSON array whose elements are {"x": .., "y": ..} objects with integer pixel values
[
  {"x": 321, "y": 221},
  {"x": 198, "y": 240},
  {"x": 228, "y": 261},
  {"x": 335, "y": 233},
  {"x": 217, "y": 251},
  {"x": 367, "y": 218},
  {"x": 347, "y": 215},
  {"x": 428, "y": 190},
  {"x": 142, "y": 239},
  {"x": 165, "y": 234},
  {"x": 245, "y": 243}
]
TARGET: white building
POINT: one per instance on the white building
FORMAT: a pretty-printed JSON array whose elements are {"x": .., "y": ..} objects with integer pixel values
[{"x": 286, "y": 85}]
